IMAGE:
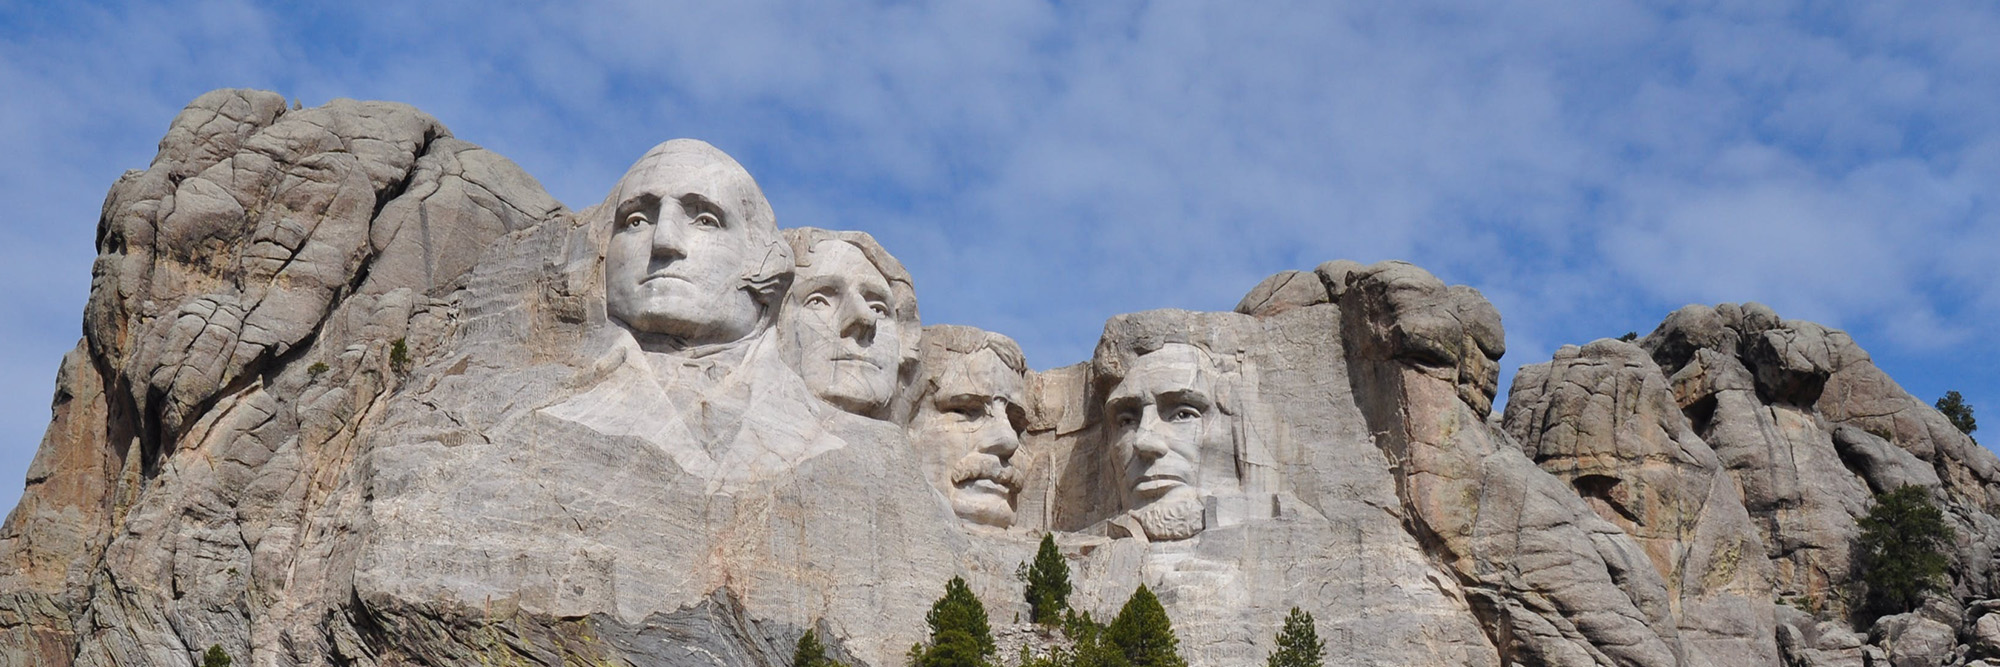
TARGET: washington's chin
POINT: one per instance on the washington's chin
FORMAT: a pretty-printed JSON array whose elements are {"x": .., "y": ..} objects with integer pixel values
[
  {"x": 983, "y": 501},
  {"x": 674, "y": 313}
]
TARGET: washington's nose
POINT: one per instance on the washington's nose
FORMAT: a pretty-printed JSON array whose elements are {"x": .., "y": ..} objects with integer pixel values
[{"x": 669, "y": 240}]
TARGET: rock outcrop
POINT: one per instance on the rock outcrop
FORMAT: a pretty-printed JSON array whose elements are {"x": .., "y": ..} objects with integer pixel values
[{"x": 355, "y": 392}]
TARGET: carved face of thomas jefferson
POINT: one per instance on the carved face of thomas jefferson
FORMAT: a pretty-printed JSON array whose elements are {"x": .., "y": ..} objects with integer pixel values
[
  {"x": 1163, "y": 417},
  {"x": 841, "y": 320},
  {"x": 691, "y": 237}
]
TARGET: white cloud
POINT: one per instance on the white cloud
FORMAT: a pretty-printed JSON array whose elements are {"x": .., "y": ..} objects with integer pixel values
[{"x": 1040, "y": 167}]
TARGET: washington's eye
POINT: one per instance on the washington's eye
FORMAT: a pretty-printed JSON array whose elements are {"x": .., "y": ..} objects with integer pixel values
[
  {"x": 1184, "y": 413},
  {"x": 706, "y": 219},
  {"x": 635, "y": 220}
]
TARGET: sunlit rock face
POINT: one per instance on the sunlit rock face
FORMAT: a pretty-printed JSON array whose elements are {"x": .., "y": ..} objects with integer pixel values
[{"x": 352, "y": 391}]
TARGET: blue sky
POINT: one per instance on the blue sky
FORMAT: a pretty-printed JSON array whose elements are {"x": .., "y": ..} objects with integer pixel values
[{"x": 1040, "y": 167}]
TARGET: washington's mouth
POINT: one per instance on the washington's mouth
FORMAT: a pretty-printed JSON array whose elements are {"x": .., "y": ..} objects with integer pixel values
[
  {"x": 662, "y": 276},
  {"x": 849, "y": 356}
]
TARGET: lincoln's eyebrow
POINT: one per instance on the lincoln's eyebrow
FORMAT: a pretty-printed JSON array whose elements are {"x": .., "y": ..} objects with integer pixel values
[{"x": 1194, "y": 397}]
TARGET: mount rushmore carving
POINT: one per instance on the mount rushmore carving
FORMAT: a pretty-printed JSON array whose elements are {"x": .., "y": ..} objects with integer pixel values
[{"x": 352, "y": 391}]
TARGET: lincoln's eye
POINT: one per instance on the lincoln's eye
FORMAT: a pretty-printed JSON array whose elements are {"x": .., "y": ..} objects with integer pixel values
[
  {"x": 1127, "y": 418},
  {"x": 1184, "y": 413}
]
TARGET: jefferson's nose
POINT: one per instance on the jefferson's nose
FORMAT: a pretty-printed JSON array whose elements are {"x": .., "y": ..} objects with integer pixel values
[{"x": 855, "y": 320}]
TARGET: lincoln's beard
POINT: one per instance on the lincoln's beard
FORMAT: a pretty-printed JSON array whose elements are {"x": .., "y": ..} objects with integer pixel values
[{"x": 1173, "y": 518}]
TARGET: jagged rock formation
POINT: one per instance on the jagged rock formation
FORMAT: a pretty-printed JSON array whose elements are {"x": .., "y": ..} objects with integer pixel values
[{"x": 355, "y": 392}]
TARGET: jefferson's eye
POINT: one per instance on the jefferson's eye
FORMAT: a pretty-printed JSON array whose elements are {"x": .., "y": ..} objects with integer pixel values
[
  {"x": 634, "y": 220},
  {"x": 1184, "y": 413},
  {"x": 707, "y": 220},
  {"x": 881, "y": 309}
]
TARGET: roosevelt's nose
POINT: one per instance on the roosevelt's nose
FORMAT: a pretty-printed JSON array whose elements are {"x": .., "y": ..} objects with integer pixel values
[
  {"x": 855, "y": 320},
  {"x": 997, "y": 436},
  {"x": 670, "y": 239}
]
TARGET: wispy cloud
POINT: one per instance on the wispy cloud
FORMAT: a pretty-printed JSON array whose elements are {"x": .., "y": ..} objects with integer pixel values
[{"x": 1040, "y": 167}]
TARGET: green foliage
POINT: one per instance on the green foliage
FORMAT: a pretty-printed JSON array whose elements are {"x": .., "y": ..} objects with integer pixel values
[
  {"x": 1630, "y": 336},
  {"x": 215, "y": 657},
  {"x": 318, "y": 368},
  {"x": 1958, "y": 411},
  {"x": 1048, "y": 584},
  {"x": 1143, "y": 633},
  {"x": 1903, "y": 549},
  {"x": 960, "y": 633},
  {"x": 810, "y": 653},
  {"x": 1299, "y": 644},
  {"x": 399, "y": 355},
  {"x": 1088, "y": 647}
]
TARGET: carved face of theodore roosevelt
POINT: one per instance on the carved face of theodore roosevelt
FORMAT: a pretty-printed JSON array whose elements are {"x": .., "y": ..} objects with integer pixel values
[
  {"x": 1164, "y": 417},
  {"x": 968, "y": 425},
  {"x": 694, "y": 250}
]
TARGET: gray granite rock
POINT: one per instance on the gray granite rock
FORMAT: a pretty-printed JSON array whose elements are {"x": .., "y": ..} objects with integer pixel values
[{"x": 355, "y": 392}]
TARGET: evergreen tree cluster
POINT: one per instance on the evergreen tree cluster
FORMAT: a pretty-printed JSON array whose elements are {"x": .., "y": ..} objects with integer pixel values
[
  {"x": 1903, "y": 547},
  {"x": 1958, "y": 411},
  {"x": 810, "y": 653},
  {"x": 1140, "y": 635},
  {"x": 1048, "y": 584}
]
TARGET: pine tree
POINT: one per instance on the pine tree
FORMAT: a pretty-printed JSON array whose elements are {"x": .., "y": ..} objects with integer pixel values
[
  {"x": 1902, "y": 544},
  {"x": 1298, "y": 644},
  {"x": 215, "y": 657},
  {"x": 810, "y": 653},
  {"x": 960, "y": 633},
  {"x": 1955, "y": 409},
  {"x": 1048, "y": 584},
  {"x": 1143, "y": 633}
]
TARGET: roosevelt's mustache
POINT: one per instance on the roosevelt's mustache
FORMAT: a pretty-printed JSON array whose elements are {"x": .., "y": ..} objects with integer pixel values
[{"x": 986, "y": 467}]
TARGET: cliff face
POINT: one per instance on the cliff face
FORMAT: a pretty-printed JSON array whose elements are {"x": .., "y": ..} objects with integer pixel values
[{"x": 352, "y": 391}]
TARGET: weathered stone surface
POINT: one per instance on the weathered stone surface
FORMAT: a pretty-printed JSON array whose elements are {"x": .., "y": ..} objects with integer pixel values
[
  {"x": 1910, "y": 640},
  {"x": 1603, "y": 418},
  {"x": 355, "y": 392},
  {"x": 1810, "y": 428}
]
